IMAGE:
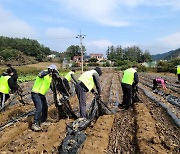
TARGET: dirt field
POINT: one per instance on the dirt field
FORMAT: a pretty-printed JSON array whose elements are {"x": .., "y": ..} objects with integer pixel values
[
  {"x": 44, "y": 65},
  {"x": 151, "y": 126}
]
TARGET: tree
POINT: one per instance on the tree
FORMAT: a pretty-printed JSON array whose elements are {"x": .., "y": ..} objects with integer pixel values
[
  {"x": 93, "y": 60},
  {"x": 162, "y": 66},
  {"x": 133, "y": 54},
  {"x": 26, "y": 46},
  {"x": 73, "y": 51},
  {"x": 146, "y": 57}
]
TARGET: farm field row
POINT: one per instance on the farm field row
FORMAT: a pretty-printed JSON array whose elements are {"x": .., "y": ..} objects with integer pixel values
[{"x": 145, "y": 128}]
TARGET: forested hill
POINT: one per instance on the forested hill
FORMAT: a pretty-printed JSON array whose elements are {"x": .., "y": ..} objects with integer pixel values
[
  {"x": 167, "y": 55},
  {"x": 19, "y": 50}
]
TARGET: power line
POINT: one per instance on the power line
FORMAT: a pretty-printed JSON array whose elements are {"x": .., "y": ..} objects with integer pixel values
[{"x": 52, "y": 38}]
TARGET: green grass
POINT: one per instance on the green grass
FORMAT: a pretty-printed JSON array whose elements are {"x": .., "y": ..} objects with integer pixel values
[
  {"x": 26, "y": 78},
  {"x": 26, "y": 74}
]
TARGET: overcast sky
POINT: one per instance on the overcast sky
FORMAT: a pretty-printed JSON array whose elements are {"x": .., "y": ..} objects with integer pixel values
[{"x": 152, "y": 25}]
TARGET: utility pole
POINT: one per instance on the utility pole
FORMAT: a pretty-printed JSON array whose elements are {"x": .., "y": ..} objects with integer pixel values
[{"x": 81, "y": 47}]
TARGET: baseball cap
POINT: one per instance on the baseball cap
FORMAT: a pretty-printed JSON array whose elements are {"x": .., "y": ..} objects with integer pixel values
[{"x": 53, "y": 67}]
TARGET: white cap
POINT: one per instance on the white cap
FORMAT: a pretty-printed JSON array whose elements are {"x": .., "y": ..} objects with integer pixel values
[{"x": 53, "y": 67}]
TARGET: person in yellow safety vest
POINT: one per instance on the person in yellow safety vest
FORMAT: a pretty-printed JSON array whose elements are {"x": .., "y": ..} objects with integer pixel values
[
  {"x": 68, "y": 78},
  {"x": 178, "y": 72},
  {"x": 129, "y": 80},
  {"x": 86, "y": 82},
  {"x": 39, "y": 90},
  {"x": 6, "y": 85}
]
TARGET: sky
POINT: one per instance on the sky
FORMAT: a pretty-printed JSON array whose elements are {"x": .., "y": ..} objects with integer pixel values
[{"x": 152, "y": 25}]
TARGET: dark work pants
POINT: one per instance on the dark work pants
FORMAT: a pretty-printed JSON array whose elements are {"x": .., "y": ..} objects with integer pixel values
[
  {"x": 41, "y": 106},
  {"x": 4, "y": 98},
  {"x": 127, "y": 95},
  {"x": 81, "y": 94},
  {"x": 179, "y": 77},
  {"x": 155, "y": 84}
]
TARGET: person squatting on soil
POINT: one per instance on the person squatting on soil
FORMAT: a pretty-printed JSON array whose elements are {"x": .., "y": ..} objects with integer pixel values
[
  {"x": 7, "y": 85},
  {"x": 178, "y": 72},
  {"x": 159, "y": 81},
  {"x": 86, "y": 82},
  {"x": 39, "y": 90},
  {"x": 129, "y": 81},
  {"x": 69, "y": 77}
]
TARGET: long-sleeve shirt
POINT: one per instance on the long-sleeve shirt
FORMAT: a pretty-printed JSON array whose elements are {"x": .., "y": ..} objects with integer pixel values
[
  {"x": 161, "y": 81},
  {"x": 95, "y": 76},
  {"x": 73, "y": 77},
  {"x": 12, "y": 84},
  {"x": 96, "y": 81},
  {"x": 136, "y": 78},
  {"x": 15, "y": 75}
]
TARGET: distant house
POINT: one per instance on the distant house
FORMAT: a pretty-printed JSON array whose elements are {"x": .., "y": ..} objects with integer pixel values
[
  {"x": 51, "y": 56},
  {"x": 99, "y": 57},
  {"x": 77, "y": 59},
  {"x": 150, "y": 64},
  {"x": 66, "y": 63}
]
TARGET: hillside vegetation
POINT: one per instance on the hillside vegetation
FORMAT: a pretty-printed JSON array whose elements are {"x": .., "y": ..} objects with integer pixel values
[
  {"x": 22, "y": 51},
  {"x": 167, "y": 55}
]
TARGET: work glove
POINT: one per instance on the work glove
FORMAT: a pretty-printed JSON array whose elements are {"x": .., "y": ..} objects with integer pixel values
[
  {"x": 93, "y": 91},
  {"x": 98, "y": 96}
]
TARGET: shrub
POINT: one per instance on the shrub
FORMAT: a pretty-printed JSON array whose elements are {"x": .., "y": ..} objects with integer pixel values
[{"x": 93, "y": 64}]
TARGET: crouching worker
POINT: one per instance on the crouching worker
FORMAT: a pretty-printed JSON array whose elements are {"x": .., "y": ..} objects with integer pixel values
[
  {"x": 86, "y": 82},
  {"x": 68, "y": 78},
  {"x": 40, "y": 88},
  {"x": 178, "y": 72},
  {"x": 129, "y": 80},
  {"x": 7, "y": 85},
  {"x": 159, "y": 82}
]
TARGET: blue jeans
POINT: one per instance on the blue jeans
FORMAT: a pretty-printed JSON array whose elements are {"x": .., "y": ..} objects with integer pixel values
[{"x": 41, "y": 106}]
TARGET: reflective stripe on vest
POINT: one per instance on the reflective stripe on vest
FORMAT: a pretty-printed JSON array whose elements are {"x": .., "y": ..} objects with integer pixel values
[
  {"x": 178, "y": 70},
  {"x": 87, "y": 79},
  {"x": 128, "y": 76},
  {"x": 68, "y": 76},
  {"x": 4, "y": 86},
  {"x": 42, "y": 85}
]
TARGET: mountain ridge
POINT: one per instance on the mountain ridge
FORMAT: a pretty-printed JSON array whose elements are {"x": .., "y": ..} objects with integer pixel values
[{"x": 167, "y": 55}]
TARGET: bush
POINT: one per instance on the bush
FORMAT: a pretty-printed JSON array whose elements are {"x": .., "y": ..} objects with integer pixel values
[
  {"x": 142, "y": 68},
  {"x": 162, "y": 66},
  {"x": 93, "y": 64},
  {"x": 11, "y": 54},
  {"x": 75, "y": 64}
]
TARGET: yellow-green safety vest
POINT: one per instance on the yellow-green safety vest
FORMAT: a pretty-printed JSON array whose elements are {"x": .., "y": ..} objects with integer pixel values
[
  {"x": 4, "y": 86},
  {"x": 178, "y": 70},
  {"x": 87, "y": 79},
  {"x": 128, "y": 76},
  {"x": 68, "y": 76},
  {"x": 42, "y": 85}
]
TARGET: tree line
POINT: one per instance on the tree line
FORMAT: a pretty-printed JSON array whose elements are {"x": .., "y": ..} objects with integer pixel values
[
  {"x": 133, "y": 53},
  {"x": 15, "y": 48}
]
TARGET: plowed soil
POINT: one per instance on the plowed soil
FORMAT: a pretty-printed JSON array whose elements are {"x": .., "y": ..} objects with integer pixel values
[{"x": 145, "y": 128}]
